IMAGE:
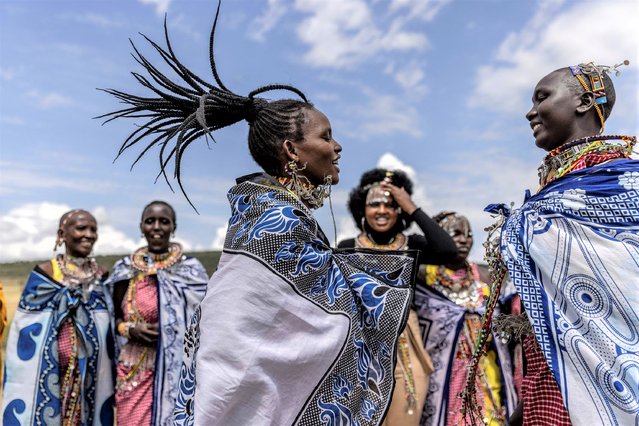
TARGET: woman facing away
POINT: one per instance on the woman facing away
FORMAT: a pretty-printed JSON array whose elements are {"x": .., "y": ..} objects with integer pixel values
[
  {"x": 383, "y": 209},
  {"x": 155, "y": 292},
  {"x": 289, "y": 332},
  {"x": 450, "y": 301},
  {"x": 59, "y": 362},
  {"x": 572, "y": 252}
]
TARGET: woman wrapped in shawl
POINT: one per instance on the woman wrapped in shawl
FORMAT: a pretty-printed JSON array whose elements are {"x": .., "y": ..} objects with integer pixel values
[
  {"x": 155, "y": 292},
  {"x": 59, "y": 366},
  {"x": 450, "y": 299},
  {"x": 572, "y": 251},
  {"x": 290, "y": 331},
  {"x": 383, "y": 208}
]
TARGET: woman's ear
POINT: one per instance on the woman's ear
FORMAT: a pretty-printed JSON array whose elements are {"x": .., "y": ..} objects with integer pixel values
[
  {"x": 586, "y": 102},
  {"x": 289, "y": 151}
]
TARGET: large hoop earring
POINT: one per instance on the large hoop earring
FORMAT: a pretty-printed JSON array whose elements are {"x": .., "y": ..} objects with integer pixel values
[{"x": 363, "y": 222}]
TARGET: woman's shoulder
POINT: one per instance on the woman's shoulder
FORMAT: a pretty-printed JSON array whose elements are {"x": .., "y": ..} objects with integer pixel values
[{"x": 347, "y": 243}]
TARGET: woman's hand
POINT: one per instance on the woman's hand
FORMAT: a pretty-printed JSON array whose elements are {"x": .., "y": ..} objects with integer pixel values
[
  {"x": 401, "y": 197},
  {"x": 144, "y": 333}
]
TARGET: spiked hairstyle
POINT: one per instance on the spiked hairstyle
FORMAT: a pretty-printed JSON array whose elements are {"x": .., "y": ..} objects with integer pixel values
[{"x": 183, "y": 112}]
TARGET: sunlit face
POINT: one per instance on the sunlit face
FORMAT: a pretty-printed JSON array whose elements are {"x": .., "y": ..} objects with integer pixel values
[
  {"x": 554, "y": 111},
  {"x": 380, "y": 211},
  {"x": 463, "y": 236},
  {"x": 157, "y": 225},
  {"x": 319, "y": 151},
  {"x": 79, "y": 234}
]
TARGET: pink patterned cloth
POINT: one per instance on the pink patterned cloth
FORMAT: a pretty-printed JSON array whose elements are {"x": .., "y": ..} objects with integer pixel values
[
  {"x": 134, "y": 397},
  {"x": 65, "y": 353}
]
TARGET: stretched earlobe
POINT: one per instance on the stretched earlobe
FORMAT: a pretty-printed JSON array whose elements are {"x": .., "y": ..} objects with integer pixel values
[{"x": 587, "y": 102}]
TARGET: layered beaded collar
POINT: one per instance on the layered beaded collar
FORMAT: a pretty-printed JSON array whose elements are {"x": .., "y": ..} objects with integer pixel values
[
  {"x": 150, "y": 263},
  {"x": 400, "y": 242},
  {"x": 582, "y": 153}
]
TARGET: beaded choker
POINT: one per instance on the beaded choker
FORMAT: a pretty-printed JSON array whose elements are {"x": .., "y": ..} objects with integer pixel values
[
  {"x": 310, "y": 194},
  {"x": 398, "y": 243},
  {"x": 77, "y": 271},
  {"x": 582, "y": 153},
  {"x": 150, "y": 263}
]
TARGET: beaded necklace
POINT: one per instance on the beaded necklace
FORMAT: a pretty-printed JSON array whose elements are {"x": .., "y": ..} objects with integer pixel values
[
  {"x": 77, "y": 271},
  {"x": 150, "y": 263},
  {"x": 312, "y": 195},
  {"x": 575, "y": 155},
  {"x": 398, "y": 243}
]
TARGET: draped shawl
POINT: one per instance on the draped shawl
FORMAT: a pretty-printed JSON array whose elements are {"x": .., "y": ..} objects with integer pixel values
[
  {"x": 442, "y": 322},
  {"x": 291, "y": 331},
  {"x": 572, "y": 251},
  {"x": 31, "y": 394},
  {"x": 180, "y": 289}
]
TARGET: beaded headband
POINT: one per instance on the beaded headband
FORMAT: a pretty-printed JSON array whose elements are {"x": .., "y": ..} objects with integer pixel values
[
  {"x": 68, "y": 216},
  {"x": 374, "y": 193},
  {"x": 595, "y": 74}
]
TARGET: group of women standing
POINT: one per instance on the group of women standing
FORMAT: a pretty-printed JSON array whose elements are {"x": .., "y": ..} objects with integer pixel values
[
  {"x": 83, "y": 343},
  {"x": 291, "y": 331}
]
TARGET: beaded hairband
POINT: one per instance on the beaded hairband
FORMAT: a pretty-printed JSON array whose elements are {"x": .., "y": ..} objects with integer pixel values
[
  {"x": 595, "y": 74},
  {"x": 385, "y": 194},
  {"x": 68, "y": 216}
]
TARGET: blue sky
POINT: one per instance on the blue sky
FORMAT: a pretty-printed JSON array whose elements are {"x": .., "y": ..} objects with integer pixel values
[{"x": 436, "y": 87}]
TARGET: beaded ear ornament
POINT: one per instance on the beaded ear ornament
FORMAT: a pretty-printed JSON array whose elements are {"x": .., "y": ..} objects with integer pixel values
[{"x": 595, "y": 74}]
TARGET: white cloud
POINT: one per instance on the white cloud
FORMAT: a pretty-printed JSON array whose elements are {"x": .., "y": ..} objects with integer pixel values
[
  {"x": 604, "y": 32},
  {"x": 220, "y": 236},
  {"x": 161, "y": 6},
  {"x": 383, "y": 115},
  {"x": 28, "y": 232},
  {"x": 50, "y": 99},
  {"x": 409, "y": 76},
  {"x": 345, "y": 33},
  {"x": 266, "y": 22},
  {"x": 423, "y": 10}
]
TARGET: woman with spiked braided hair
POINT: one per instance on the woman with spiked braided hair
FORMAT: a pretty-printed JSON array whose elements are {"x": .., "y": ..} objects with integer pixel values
[{"x": 289, "y": 331}]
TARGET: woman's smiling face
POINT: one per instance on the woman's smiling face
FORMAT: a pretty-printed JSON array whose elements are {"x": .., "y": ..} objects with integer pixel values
[{"x": 319, "y": 153}]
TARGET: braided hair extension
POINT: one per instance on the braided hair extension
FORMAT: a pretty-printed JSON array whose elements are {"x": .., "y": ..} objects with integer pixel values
[
  {"x": 357, "y": 197},
  {"x": 186, "y": 111}
]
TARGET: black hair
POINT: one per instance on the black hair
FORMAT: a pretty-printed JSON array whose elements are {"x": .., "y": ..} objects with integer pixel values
[
  {"x": 357, "y": 197},
  {"x": 163, "y": 203},
  {"x": 194, "y": 108},
  {"x": 575, "y": 86}
]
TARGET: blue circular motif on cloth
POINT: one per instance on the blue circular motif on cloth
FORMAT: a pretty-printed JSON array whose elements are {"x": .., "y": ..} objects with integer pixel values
[
  {"x": 615, "y": 386},
  {"x": 586, "y": 296}
]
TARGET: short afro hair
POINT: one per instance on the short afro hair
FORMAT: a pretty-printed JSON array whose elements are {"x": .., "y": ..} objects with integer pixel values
[{"x": 357, "y": 197}]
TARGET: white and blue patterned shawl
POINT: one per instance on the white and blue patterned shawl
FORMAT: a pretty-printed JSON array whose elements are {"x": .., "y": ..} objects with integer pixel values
[
  {"x": 290, "y": 331},
  {"x": 180, "y": 289},
  {"x": 572, "y": 251},
  {"x": 31, "y": 393},
  {"x": 442, "y": 322}
]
